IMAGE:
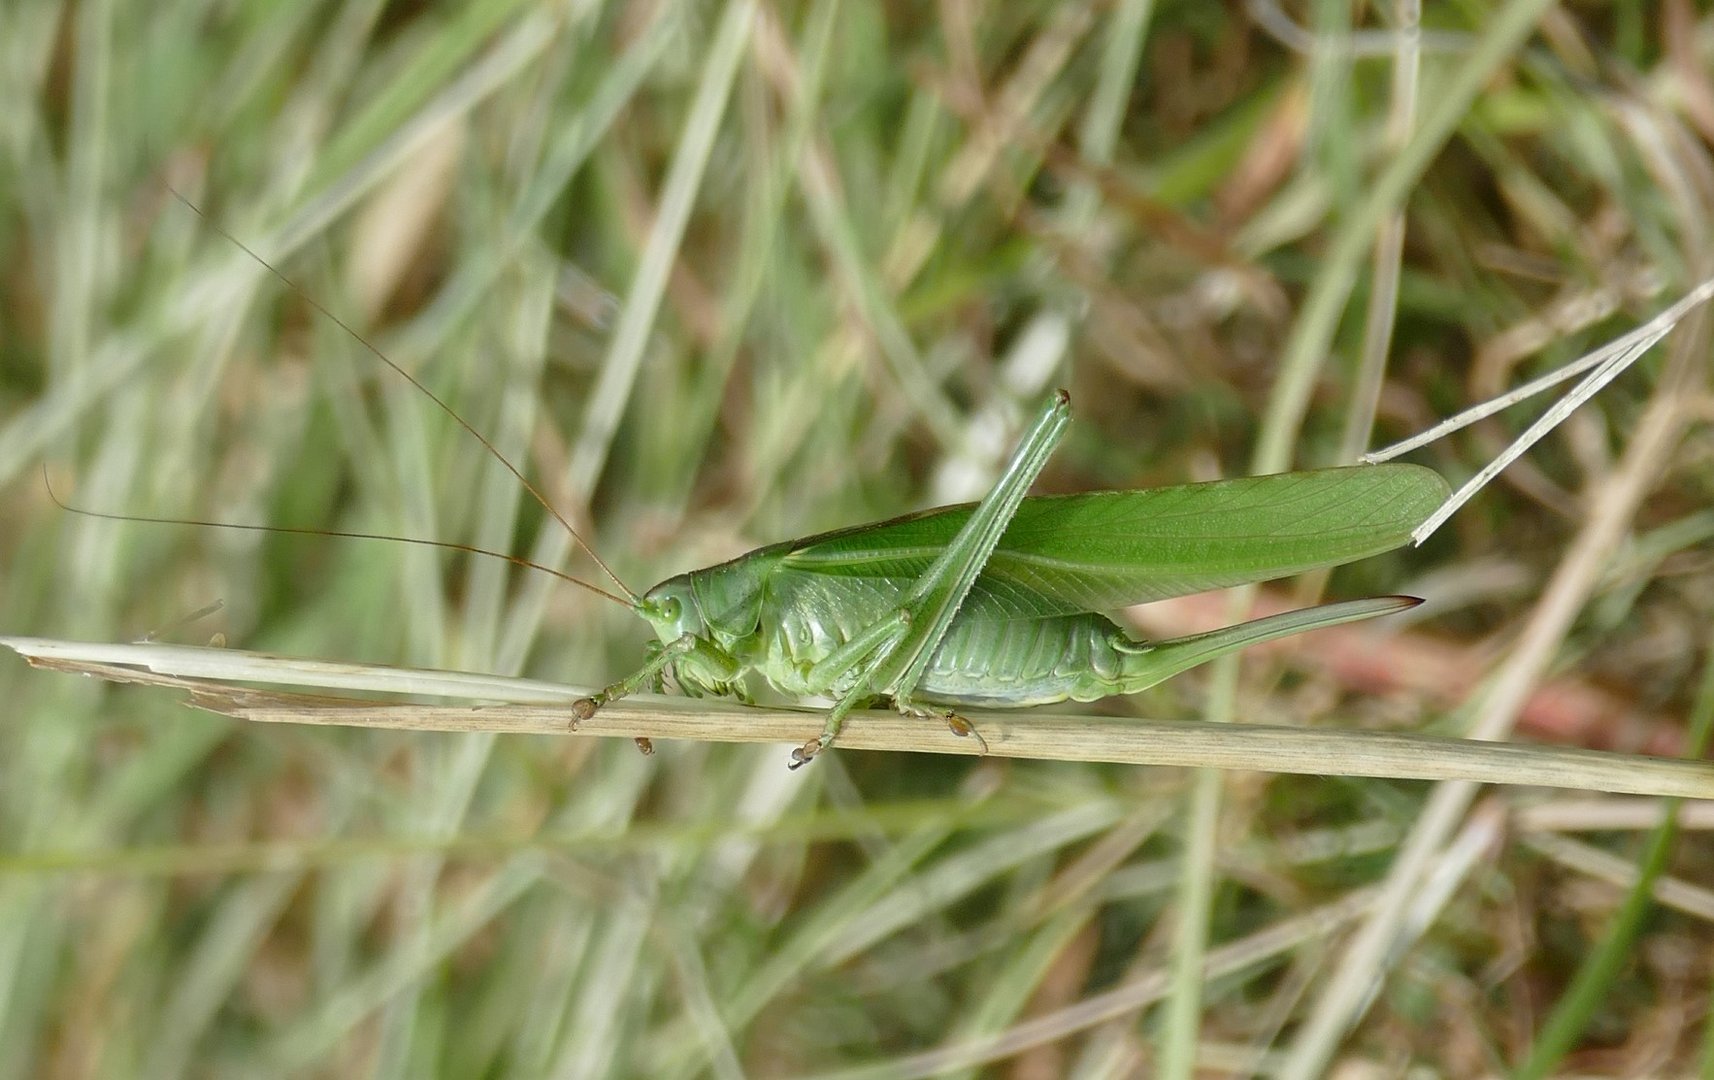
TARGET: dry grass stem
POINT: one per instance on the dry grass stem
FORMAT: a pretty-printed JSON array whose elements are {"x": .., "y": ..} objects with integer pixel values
[{"x": 1030, "y": 735}]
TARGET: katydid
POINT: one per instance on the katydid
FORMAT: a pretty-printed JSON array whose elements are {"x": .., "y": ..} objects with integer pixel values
[{"x": 996, "y": 604}]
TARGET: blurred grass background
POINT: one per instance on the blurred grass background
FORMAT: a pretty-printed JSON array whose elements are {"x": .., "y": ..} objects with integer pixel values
[{"x": 718, "y": 275}]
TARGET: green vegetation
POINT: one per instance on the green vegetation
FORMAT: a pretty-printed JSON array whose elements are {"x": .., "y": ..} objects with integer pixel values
[{"x": 719, "y": 275}]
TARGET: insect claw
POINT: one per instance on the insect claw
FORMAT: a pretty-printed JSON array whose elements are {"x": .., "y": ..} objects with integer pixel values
[
  {"x": 804, "y": 754},
  {"x": 964, "y": 729},
  {"x": 582, "y": 709},
  {"x": 644, "y": 745}
]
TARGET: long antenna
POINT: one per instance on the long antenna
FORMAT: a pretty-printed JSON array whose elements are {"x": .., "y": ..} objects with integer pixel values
[
  {"x": 340, "y": 533},
  {"x": 631, "y": 599}
]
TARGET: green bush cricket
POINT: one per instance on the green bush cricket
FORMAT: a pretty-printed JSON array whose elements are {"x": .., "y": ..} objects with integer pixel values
[{"x": 997, "y": 604}]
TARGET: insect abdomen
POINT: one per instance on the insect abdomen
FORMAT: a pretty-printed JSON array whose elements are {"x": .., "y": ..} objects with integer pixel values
[
  {"x": 997, "y": 653},
  {"x": 1012, "y": 663}
]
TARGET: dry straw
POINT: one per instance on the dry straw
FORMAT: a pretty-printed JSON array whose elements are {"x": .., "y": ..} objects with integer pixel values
[{"x": 526, "y": 706}]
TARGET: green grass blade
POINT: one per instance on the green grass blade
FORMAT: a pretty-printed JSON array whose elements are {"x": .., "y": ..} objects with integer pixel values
[{"x": 1593, "y": 983}]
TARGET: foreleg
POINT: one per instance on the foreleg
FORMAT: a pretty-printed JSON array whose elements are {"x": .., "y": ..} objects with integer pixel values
[{"x": 709, "y": 657}]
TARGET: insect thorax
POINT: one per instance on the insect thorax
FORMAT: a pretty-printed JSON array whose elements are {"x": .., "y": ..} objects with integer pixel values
[{"x": 722, "y": 602}]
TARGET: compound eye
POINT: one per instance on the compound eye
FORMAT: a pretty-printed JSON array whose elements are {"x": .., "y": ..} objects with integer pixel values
[{"x": 671, "y": 608}]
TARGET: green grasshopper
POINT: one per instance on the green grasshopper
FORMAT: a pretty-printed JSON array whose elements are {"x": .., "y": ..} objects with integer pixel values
[
  {"x": 994, "y": 605},
  {"x": 998, "y": 604}
]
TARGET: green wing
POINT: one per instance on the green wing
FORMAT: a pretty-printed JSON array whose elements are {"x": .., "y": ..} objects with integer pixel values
[{"x": 1106, "y": 549}]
